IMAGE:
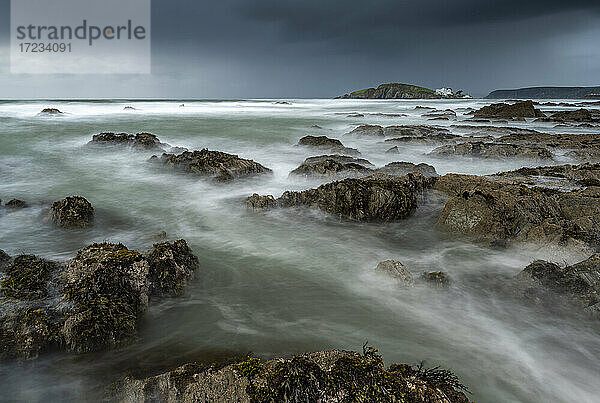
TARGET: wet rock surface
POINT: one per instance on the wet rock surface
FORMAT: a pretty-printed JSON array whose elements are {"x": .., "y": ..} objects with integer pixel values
[
  {"x": 333, "y": 166},
  {"x": 92, "y": 302},
  {"x": 579, "y": 115},
  {"x": 520, "y": 109},
  {"x": 50, "y": 111},
  {"x": 549, "y": 284},
  {"x": 397, "y": 270},
  {"x": 376, "y": 197},
  {"x": 324, "y": 376},
  {"x": 497, "y": 211},
  {"x": 15, "y": 204},
  {"x": 216, "y": 165},
  {"x": 72, "y": 212},
  {"x": 326, "y": 144},
  {"x": 493, "y": 150},
  {"x": 400, "y": 168},
  {"x": 141, "y": 141},
  {"x": 367, "y": 130}
]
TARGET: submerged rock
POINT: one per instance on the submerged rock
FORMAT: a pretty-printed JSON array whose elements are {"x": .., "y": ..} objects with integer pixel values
[
  {"x": 324, "y": 376},
  {"x": 393, "y": 150},
  {"x": 578, "y": 285},
  {"x": 520, "y": 109},
  {"x": 217, "y": 165},
  {"x": 494, "y": 150},
  {"x": 50, "y": 111},
  {"x": 367, "y": 130},
  {"x": 16, "y": 204},
  {"x": 373, "y": 198},
  {"x": 436, "y": 279},
  {"x": 327, "y": 144},
  {"x": 257, "y": 202},
  {"x": 396, "y": 270},
  {"x": 142, "y": 141},
  {"x": 72, "y": 212},
  {"x": 414, "y": 130}
]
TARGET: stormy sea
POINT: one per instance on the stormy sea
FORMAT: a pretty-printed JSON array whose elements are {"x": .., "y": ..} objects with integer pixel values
[{"x": 281, "y": 281}]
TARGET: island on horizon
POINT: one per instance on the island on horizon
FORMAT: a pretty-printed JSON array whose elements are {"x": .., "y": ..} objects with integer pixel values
[{"x": 404, "y": 91}]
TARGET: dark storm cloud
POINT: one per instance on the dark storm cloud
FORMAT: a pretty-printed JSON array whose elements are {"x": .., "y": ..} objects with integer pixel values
[{"x": 310, "y": 48}]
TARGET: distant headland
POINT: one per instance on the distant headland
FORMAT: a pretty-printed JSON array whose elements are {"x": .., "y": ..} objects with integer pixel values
[
  {"x": 403, "y": 91},
  {"x": 547, "y": 93}
]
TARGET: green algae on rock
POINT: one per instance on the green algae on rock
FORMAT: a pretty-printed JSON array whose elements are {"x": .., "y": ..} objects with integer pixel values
[
  {"x": 72, "y": 212},
  {"x": 324, "y": 376}
]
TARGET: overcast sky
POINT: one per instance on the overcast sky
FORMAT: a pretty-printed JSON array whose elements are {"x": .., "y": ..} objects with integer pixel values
[{"x": 319, "y": 48}]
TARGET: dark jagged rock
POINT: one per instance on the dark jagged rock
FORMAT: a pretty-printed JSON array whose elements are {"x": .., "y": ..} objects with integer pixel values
[
  {"x": 393, "y": 150},
  {"x": 16, "y": 204},
  {"x": 324, "y": 376},
  {"x": 367, "y": 130},
  {"x": 578, "y": 285},
  {"x": 326, "y": 144},
  {"x": 374, "y": 198},
  {"x": 27, "y": 277},
  {"x": 142, "y": 141},
  {"x": 414, "y": 130},
  {"x": 72, "y": 212},
  {"x": 172, "y": 266},
  {"x": 436, "y": 279},
  {"x": 333, "y": 166},
  {"x": 403, "y": 168},
  {"x": 494, "y": 150},
  {"x": 397, "y": 270},
  {"x": 4, "y": 258},
  {"x": 129, "y": 108},
  {"x": 50, "y": 111},
  {"x": 545, "y": 93},
  {"x": 521, "y": 109},
  {"x": 355, "y": 115},
  {"x": 497, "y": 212},
  {"x": 580, "y": 115},
  {"x": 584, "y": 175},
  {"x": 217, "y": 165},
  {"x": 257, "y": 202},
  {"x": 433, "y": 139}
]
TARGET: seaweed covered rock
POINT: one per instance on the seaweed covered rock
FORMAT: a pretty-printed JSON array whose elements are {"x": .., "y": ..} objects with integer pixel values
[
  {"x": 142, "y": 141},
  {"x": 367, "y": 130},
  {"x": 172, "y": 265},
  {"x": 72, "y": 211},
  {"x": 108, "y": 286},
  {"x": 496, "y": 211},
  {"x": 333, "y": 166},
  {"x": 436, "y": 279},
  {"x": 400, "y": 168},
  {"x": 257, "y": 202},
  {"x": 217, "y": 165},
  {"x": 15, "y": 204},
  {"x": 480, "y": 149},
  {"x": 577, "y": 285},
  {"x": 26, "y": 332},
  {"x": 324, "y": 143},
  {"x": 50, "y": 111},
  {"x": 373, "y": 198},
  {"x": 397, "y": 270},
  {"x": 522, "y": 109},
  {"x": 28, "y": 277},
  {"x": 324, "y": 376}
]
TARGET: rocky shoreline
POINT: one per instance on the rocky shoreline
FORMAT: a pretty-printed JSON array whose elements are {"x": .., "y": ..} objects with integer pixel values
[{"x": 96, "y": 300}]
